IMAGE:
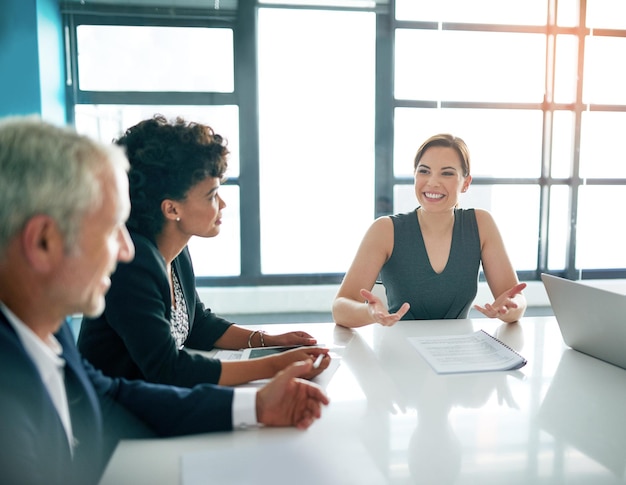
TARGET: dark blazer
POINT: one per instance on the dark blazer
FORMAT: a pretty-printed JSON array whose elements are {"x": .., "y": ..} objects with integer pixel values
[
  {"x": 33, "y": 444},
  {"x": 132, "y": 338}
]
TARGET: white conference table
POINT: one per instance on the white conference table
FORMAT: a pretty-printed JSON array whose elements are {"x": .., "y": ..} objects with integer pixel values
[{"x": 392, "y": 420}]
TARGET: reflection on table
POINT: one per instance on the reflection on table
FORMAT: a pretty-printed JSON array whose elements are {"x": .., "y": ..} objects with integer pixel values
[{"x": 392, "y": 420}]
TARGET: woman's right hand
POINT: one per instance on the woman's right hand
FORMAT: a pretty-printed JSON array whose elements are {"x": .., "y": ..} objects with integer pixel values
[{"x": 379, "y": 311}]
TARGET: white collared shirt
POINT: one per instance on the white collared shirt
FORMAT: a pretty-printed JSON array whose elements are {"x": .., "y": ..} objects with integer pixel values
[
  {"x": 244, "y": 407},
  {"x": 47, "y": 359}
]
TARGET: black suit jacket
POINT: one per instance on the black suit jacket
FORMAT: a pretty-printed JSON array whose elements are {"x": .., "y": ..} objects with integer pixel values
[
  {"x": 132, "y": 338},
  {"x": 33, "y": 444}
]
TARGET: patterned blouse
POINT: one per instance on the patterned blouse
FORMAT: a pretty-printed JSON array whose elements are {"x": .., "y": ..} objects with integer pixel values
[{"x": 179, "y": 322}]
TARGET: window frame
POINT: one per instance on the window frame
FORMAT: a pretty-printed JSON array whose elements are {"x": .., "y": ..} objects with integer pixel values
[
  {"x": 545, "y": 181},
  {"x": 243, "y": 22}
]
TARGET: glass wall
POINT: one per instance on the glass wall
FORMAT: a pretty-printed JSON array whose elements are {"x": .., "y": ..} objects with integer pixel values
[
  {"x": 537, "y": 96},
  {"x": 324, "y": 104},
  {"x": 316, "y": 122}
]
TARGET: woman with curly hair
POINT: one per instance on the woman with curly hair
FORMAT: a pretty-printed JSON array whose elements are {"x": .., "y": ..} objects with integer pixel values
[{"x": 153, "y": 312}]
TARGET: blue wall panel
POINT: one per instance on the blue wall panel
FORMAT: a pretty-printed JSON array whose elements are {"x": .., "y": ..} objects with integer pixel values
[{"x": 31, "y": 59}]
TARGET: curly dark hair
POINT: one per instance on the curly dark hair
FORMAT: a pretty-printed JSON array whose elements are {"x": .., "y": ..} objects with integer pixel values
[{"x": 167, "y": 158}]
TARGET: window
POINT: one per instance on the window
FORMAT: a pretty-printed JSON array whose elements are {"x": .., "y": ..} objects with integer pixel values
[
  {"x": 442, "y": 65},
  {"x": 316, "y": 121},
  {"x": 127, "y": 73},
  {"x": 539, "y": 105},
  {"x": 143, "y": 58},
  {"x": 516, "y": 12},
  {"x": 325, "y": 102}
]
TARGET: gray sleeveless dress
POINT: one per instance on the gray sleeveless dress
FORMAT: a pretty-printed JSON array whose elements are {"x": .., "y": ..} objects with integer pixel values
[{"x": 408, "y": 275}]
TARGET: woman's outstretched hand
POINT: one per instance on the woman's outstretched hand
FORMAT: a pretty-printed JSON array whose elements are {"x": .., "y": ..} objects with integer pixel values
[
  {"x": 379, "y": 311},
  {"x": 503, "y": 305}
]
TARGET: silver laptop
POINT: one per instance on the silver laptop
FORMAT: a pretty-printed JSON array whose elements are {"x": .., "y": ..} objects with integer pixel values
[{"x": 592, "y": 320}]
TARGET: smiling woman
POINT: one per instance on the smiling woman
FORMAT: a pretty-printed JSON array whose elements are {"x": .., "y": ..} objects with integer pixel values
[{"x": 428, "y": 259}]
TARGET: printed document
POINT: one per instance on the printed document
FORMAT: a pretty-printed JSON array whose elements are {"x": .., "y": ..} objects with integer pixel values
[{"x": 474, "y": 352}]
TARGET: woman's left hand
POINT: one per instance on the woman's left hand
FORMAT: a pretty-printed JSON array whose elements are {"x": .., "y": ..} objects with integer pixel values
[
  {"x": 290, "y": 338},
  {"x": 503, "y": 304}
]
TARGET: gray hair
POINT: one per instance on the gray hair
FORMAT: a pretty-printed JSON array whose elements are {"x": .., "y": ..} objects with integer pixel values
[{"x": 51, "y": 170}]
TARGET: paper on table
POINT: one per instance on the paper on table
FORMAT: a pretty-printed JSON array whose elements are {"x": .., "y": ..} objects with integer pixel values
[{"x": 474, "y": 352}]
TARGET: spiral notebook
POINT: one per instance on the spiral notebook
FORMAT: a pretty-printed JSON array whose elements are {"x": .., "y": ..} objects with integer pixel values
[{"x": 473, "y": 352}]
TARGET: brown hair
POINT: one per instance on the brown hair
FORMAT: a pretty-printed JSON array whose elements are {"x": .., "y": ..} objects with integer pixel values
[{"x": 450, "y": 141}]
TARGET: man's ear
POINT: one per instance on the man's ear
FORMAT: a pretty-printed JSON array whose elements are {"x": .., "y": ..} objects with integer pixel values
[
  {"x": 169, "y": 209},
  {"x": 42, "y": 243}
]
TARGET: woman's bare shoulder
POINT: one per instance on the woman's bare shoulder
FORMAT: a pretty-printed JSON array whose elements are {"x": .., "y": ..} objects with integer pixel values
[
  {"x": 483, "y": 217},
  {"x": 381, "y": 226}
]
